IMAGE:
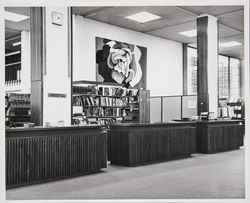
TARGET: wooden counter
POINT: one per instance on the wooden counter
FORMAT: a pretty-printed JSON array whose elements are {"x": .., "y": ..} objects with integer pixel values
[
  {"x": 135, "y": 144},
  {"x": 41, "y": 154},
  {"x": 219, "y": 135}
]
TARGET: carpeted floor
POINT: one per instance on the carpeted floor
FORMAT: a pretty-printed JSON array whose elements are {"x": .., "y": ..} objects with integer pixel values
[{"x": 201, "y": 176}]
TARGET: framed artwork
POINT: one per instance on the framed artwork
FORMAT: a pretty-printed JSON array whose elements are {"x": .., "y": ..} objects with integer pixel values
[{"x": 121, "y": 62}]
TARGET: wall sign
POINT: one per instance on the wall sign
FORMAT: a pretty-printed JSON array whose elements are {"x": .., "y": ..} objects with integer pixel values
[{"x": 57, "y": 95}]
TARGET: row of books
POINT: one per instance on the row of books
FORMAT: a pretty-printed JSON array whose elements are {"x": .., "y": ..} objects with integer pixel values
[
  {"x": 105, "y": 90},
  {"x": 19, "y": 104},
  {"x": 98, "y": 101},
  {"x": 83, "y": 120},
  {"x": 112, "y": 91},
  {"x": 231, "y": 112},
  {"x": 117, "y": 91},
  {"x": 19, "y": 97},
  {"x": 109, "y": 101},
  {"x": 90, "y": 89},
  {"x": 102, "y": 112},
  {"x": 109, "y": 121},
  {"x": 19, "y": 112}
]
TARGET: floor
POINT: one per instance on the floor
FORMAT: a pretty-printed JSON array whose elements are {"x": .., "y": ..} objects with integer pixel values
[{"x": 201, "y": 176}]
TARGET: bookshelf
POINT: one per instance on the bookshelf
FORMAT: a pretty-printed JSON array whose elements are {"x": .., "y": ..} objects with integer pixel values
[
  {"x": 236, "y": 109},
  {"x": 231, "y": 108},
  {"x": 17, "y": 109},
  {"x": 104, "y": 103}
]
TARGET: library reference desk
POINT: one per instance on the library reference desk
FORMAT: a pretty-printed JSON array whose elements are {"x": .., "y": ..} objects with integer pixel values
[
  {"x": 41, "y": 154},
  {"x": 219, "y": 135},
  {"x": 135, "y": 144}
]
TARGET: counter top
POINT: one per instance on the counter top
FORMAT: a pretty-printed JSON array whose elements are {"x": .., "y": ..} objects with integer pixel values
[
  {"x": 53, "y": 128},
  {"x": 151, "y": 124},
  {"x": 220, "y": 121},
  {"x": 175, "y": 123}
]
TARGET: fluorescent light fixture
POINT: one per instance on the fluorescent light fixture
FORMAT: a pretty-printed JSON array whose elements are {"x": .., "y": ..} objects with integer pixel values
[
  {"x": 14, "y": 16},
  {"x": 230, "y": 44},
  {"x": 16, "y": 44},
  {"x": 13, "y": 53},
  {"x": 189, "y": 33},
  {"x": 143, "y": 17}
]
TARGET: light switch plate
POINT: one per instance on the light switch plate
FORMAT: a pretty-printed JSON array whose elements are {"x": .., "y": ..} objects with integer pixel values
[{"x": 57, "y": 18}]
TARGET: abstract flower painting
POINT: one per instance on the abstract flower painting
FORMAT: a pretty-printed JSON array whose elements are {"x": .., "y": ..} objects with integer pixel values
[{"x": 121, "y": 63}]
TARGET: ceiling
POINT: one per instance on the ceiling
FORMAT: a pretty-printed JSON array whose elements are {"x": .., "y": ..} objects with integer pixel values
[
  {"x": 174, "y": 19},
  {"x": 13, "y": 29}
]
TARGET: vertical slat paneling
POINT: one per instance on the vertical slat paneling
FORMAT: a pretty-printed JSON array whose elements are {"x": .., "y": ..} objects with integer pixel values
[
  {"x": 31, "y": 159},
  {"x": 218, "y": 138},
  {"x": 140, "y": 145}
]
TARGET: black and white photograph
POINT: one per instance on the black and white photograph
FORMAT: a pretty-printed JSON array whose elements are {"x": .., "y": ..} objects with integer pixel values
[{"x": 113, "y": 101}]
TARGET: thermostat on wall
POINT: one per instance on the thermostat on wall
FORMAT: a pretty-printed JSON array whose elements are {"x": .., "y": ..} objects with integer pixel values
[{"x": 57, "y": 18}]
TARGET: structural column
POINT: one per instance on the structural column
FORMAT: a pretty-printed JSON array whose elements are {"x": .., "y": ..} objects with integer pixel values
[
  {"x": 207, "y": 70},
  {"x": 37, "y": 63},
  {"x": 51, "y": 65}
]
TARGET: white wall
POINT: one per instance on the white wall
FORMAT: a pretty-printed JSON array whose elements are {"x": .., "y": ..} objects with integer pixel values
[
  {"x": 25, "y": 60},
  {"x": 164, "y": 57},
  {"x": 56, "y": 79}
]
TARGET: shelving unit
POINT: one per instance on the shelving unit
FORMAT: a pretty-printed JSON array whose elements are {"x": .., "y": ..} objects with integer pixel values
[
  {"x": 105, "y": 103},
  {"x": 18, "y": 109},
  {"x": 237, "y": 109},
  {"x": 231, "y": 109}
]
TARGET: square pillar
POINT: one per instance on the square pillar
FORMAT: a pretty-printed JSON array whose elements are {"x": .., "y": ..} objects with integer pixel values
[
  {"x": 50, "y": 65},
  {"x": 207, "y": 64}
]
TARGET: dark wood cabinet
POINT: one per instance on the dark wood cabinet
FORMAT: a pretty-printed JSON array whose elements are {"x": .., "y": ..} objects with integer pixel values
[
  {"x": 43, "y": 154},
  {"x": 218, "y": 136},
  {"x": 135, "y": 144}
]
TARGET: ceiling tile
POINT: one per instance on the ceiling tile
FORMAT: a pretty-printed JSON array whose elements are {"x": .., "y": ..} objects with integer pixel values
[
  {"x": 88, "y": 10},
  {"x": 172, "y": 32},
  {"x": 212, "y": 10},
  {"x": 19, "y": 10},
  {"x": 170, "y": 16},
  {"x": 225, "y": 31},
  {"x": 235, "y": 19},
  {"x": 237, "y": 51}
]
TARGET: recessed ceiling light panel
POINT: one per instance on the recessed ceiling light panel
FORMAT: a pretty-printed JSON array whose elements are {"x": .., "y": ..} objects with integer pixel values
[
  {"x": 14, "y": 16},
  {"x": 143, "y": 17},
  {"x": 230, "y": 44},
  {"x": 189, "y": 33}
]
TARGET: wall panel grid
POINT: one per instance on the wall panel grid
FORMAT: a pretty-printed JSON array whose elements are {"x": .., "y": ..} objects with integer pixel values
[{"x": 168, "y": 108}]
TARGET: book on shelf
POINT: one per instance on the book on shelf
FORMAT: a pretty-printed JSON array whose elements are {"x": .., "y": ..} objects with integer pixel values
[
  {"x": 106, "y": 91},
  {"x": 92, "y": 101}
]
